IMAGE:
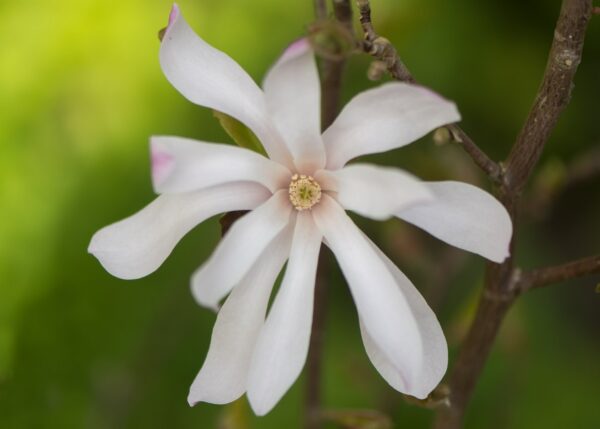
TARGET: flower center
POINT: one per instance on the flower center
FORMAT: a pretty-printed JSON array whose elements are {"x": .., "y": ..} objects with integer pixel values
[{"x": 304, "y": 191}]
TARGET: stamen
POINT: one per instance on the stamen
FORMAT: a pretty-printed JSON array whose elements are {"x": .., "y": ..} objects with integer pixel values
[{"x": 304, "y": 191}]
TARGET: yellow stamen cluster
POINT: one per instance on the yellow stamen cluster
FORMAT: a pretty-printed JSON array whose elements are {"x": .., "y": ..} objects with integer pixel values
[{"x": 304, "y": 191}]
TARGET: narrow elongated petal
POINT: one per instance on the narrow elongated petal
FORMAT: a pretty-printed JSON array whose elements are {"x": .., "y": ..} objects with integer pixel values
[
  {"x": 435, "y": 349},
  {"x": 223, "y": 376},
  {"x": 239, "y": 250},
  {"x": 183, "y": 165},
  {"x": 210, "y": 78},
  {"x": 283, "y": 342},
  {"x": 136, "y": 246},
  {"x": 382, "y": 308},
  {"x": 375, "y": 192},
  {"x": 385, "y": 118},
  {"x": 466, "y": 217},
  {"x": 293, "y": 95}
]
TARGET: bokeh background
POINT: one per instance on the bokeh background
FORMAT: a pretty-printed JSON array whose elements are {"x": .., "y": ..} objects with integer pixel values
[{"x": 80, "y": 93}]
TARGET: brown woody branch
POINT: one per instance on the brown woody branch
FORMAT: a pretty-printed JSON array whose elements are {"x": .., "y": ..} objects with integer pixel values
[
  {"x": 504, "y": 282},
  {"x": 383, "y": 50},
  {"x": 331, "y": 83},
  {"x": 551, "y": 275},
  {"x": 554, "y": 93}
]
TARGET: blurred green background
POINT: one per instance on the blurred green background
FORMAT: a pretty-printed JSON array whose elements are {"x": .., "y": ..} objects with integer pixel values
[{"x": 80, "y": 93}]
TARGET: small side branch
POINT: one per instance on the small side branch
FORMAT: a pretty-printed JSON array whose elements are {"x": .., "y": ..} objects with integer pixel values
[
  {"x": 551, "y": 275},
  {"x": 554, "y": 93},
  {"x": 383, "y": 50}
]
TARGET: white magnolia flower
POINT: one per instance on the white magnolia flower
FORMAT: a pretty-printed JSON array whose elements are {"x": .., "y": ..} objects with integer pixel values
[{"x": 297, "y": 199}]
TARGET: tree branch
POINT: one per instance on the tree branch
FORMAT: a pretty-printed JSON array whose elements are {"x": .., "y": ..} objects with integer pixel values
[
  {"x": 383, "y": 50},
  {"x": 331, "y": 82},
  {"x": 554, "y": 93},
  {"x": 551, "y": 275},
  {"x": 502, "y": 281},
  {"x": 320, "y": 9}
]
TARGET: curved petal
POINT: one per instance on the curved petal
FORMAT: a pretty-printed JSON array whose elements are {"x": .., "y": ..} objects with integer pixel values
[
  {"x": 282, "y": 346},
  {"x": 210, "y": 78},
  {"x": 375, "y": 192},
  {"x": 239, "y": 250},
  {"x": 435, "y": 349},
  {"x": 466, "y": 217},
  {"x": 136, "y": 246},
  {"x": 385, "y": 118},
  {"x": 382, "y": 307},
  {"x": 293, "y": 95},
  {"x": 183, "y": 165},
  {"x": 223, "y": 376}
]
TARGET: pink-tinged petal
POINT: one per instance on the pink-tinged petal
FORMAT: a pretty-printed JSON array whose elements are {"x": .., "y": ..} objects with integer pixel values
[
  {"x": 239, "y": 249},
  {"x": 183, "y": 165},
  {"x": 385, "y": 118},
  {"x": 464, "y": 216},
  {"x": 162, "y": 165},
  {"x": 136, "y": 246},
  {"x": 223, "y": 376},
  {"x": 210, "y": 78},
  {"x": 293, "y": 95},
  {"x": 282, "y": 345},
  {"x": 174, "y": 14},
  {"x": 435, "y": 350},
  {"x": 382, "y": 308},
  {"x": 374, "y": 192}
]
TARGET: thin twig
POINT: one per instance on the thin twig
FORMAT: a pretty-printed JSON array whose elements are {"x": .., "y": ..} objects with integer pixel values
[
  {"x": 320, "y": 9},
  {"x": 551, "y": 275},
  {"x": 383, "y": 50}
]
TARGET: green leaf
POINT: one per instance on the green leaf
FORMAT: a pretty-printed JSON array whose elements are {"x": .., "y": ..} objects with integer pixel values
[{"x": 241, "y": 134}]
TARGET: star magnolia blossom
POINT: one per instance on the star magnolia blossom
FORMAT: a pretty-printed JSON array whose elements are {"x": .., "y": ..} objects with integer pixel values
[{"x": 297, "y": 199}]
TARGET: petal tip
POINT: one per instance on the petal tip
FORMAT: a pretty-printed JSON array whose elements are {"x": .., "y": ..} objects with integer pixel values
[
  {"x": 173, "y": 14},
  {"x": 296, "y": 48}
]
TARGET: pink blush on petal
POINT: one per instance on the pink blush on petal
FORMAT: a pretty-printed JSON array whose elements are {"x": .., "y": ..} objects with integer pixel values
[
  {"x": 162, "y": 164},
  {"x": 297, "y": 48},
  {"x": 173, "y": 14}
]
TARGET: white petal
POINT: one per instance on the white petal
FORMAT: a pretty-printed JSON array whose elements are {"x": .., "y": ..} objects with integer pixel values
[
  {"x": 210, "y": 78},
  {"x": 239, "y": 249},
  {"x": 375, "y": 192},
  {"x": 136, "y": 246},
  {"x": 382, "y": 307},
  {"x": 293, "y": 96},
  {"x": 183, "y": 165},
  {"x": 435, "y": 349},
  {"x": 466, "y": 217},
  {"x": 223, "y": 376},
  {"x": 385, "y": 118},
  {"x": 283, "y": 342}
]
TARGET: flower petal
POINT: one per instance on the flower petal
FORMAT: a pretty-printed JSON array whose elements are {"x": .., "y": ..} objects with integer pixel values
[
  {"x": 136, "y": 246},
  {"x": 385, "y": 118},
  {"x": 375, "y": 192},
  {"x": 282, "y": 346},
  {"x": 183, "y": 165},
  {"x": 382, "y": 307},
  {"x": 293, "y": 95},
  {"x": 239, "y": 249},
  {"x": 434, "y": 347},
  {"x": 466, "y": 217},
  {"x": 210, "y": 78},
  {"x": 223, "y": 376}
]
